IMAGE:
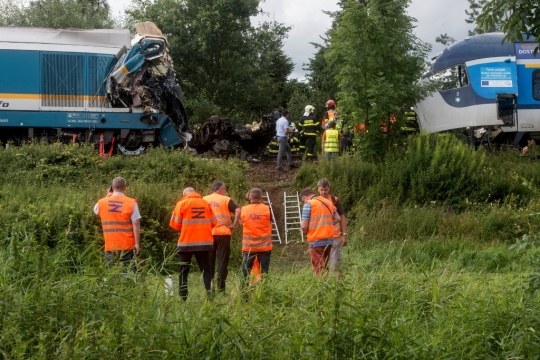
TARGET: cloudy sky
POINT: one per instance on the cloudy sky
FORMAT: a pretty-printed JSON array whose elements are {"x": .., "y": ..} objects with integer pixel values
[{"x": 308, "y": 22}]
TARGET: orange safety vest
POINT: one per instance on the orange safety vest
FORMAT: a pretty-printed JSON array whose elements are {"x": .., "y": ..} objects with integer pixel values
[
  {"x": 257, "y": 234},
  {"x": 331, "y": 141},
  {"x": 321, "y": 219},
  {"x": 115, "y": 213},
  {"x": 331, "y": 117},
  {"x": 195, "y": 220},
  {"x": 220, "y": 207},
  {"x": 337, "y": 227}
]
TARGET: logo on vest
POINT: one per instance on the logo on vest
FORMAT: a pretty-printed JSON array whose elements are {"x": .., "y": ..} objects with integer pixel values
[
  {"x": 115, "y": 206},
  {"x": 197, "y": 213},
  {"x": 214, "y": 204},
  {"x": 255, "y": 217}
]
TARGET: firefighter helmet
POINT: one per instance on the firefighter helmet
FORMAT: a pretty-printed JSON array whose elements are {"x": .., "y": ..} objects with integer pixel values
[
  {"x": 330, "y": 103},
  {"x": 309, "y": 109}
]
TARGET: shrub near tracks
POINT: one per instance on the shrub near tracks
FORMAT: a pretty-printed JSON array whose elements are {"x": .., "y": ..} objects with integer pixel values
[{"x": 48, "y": 191}]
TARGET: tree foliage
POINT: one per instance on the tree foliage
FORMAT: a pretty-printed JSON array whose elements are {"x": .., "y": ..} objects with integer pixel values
[
  {"x": 475, "y": 8},
  {"x": 519, "y": 18},
  {"x": 62, "y": 14},
  {"x": 378, "y": 60},
  {"x": 227, "y": 66}
]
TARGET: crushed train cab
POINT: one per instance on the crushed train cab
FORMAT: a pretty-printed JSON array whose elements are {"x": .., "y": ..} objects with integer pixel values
[{"x": 94, "y": 86}]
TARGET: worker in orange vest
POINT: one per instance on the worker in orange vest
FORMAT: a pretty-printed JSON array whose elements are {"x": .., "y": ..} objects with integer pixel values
[
  {"x": 120, "y": 219},
  {"x": 330, "y": 114},
  {"x": 340, "y": 229},
  {"x": 318, "y": 218},
  {"x": 223, "y": 207},
  {"x": 257, "y": 234},
  {"x": 194, "y": 218}
]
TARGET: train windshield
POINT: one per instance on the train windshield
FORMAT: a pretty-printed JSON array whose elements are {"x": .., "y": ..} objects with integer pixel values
[{"x": 451, "y": 78}]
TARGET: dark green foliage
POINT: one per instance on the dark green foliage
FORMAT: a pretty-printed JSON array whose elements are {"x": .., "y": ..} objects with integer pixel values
[
  {"x": 52, "y": 189},
  {"x": 62, "y": 14},
  {"x": 226, "y": 65},
  {"x": 378, "y": 61}
]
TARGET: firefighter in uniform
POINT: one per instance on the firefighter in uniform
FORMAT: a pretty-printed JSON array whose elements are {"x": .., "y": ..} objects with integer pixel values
[
  {"x": 257, "y": 234},
  {"x": 294, "y": 139},
  {"x": 194, "y": 218},
  {"x": 309, "y": 129}
]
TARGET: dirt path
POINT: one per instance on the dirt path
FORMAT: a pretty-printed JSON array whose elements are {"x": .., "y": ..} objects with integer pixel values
[{"x": 265, "y": 176}]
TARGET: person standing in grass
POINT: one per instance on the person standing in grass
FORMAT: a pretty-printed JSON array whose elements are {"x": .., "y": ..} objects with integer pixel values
[
  {"x": 194, "y": 218},
  {"x": 340, "y": 229},
  {"x": 223, "y": 207},
  {"x": 318, "y": 218},
  {"x": 331, "y": 142},
  {"x": 257, "y": 234},
  {"x": 120, "y": 219}
]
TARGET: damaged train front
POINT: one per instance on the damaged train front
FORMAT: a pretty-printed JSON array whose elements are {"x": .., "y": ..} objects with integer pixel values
[{"x": 144, "y": 81}]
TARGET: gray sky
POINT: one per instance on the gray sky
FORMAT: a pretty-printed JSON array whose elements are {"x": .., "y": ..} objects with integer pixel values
[{"x": 308, "y": 22}]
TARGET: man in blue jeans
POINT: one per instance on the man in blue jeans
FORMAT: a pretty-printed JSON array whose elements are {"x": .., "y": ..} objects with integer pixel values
[{"x": 282, "y": 131}]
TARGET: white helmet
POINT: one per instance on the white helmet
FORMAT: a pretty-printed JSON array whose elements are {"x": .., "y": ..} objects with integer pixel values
[
  {"x": 292, "y": 126},
  {"x": 309, "y": 109}
]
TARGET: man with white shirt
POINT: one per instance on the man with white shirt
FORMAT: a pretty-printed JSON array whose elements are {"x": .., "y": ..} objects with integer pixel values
[
  {"x": 282, "y": 131},
  {"x": 120, "y": 219}
]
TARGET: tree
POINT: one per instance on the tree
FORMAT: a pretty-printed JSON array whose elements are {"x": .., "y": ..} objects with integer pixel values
[
  {"x": 445, "y": 39},
  {"x": 379, "y": 62},
  {"x": 321, "y": 75},
  {"x": 519, "y": 18},
  {"x": 227, "y": 66},
  {"x": 61, "y": 14},
  {"x": 476, "y": 7}
]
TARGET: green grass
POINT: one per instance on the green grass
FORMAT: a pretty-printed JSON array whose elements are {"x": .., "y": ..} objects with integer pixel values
[{"x": 420, "y": 280}]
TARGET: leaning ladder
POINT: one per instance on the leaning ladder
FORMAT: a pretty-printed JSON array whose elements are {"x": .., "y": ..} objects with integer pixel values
[
  {"x": 275, "y": 232},
  {"x": 291, "y": 211}
]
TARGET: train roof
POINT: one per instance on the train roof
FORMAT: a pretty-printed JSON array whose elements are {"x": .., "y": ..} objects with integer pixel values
[
  {"x": 472, "y": 48},
  {"x": 104, "y": 38}
]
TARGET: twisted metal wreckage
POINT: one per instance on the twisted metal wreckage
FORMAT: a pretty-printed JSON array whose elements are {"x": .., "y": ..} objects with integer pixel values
[{"x": 144, "y": 78}]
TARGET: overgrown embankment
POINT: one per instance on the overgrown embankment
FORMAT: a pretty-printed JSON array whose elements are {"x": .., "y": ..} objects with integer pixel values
[
  {"x": 48, "y": 191},
  {"x": 428, "y": 273}
]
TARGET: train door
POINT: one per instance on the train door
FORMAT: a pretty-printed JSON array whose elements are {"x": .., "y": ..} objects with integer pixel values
[{"x": 507, "y": 109}]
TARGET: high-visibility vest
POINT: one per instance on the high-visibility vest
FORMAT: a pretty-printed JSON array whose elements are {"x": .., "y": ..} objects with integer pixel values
[
  {"x": 331, "y": 142},
  {"x": 337, "y": 227},
  {"x": 115, "y": 213},
  {"x": 330, "y": 115},
  {"x": 195, "y": 220},
  {"x": 257, "y": 233},
  {"x": 321, "y": 219},
  {"x": 309, "y": 125},
  {"x": 220, "y": 208}
]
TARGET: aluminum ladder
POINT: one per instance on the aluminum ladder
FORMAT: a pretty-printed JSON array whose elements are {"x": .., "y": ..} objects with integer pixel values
[
  {"x": 275, "y": 232},
  {"x": 291, "y": 213}
]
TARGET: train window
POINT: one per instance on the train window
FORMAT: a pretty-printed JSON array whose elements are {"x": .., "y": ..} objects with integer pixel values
[
  {"x": 536, "y": 84},
  {"x": 451, "y": 78}
]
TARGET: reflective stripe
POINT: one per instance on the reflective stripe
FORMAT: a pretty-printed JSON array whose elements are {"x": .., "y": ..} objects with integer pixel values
[
  {"x": 203, "y": 221},
  {"x": 116, "y": 223},
  {"x": 118, "y": 230},
  {"x": 177, "y": 219},
  {"x": 258, "y": 245},
  {"x": 188, "y": 244},
  {"x": 251, "y": 238},
  {"x": 319, "y": 224}
]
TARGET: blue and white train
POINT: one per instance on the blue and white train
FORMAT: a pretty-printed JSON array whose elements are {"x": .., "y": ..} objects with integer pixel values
[
  {"x": 485, "y": 82},
  {"x": 94, "y": 86}
]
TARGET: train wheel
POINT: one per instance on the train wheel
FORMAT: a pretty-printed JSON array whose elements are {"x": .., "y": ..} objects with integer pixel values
[{"x": 130, "y": 151}]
